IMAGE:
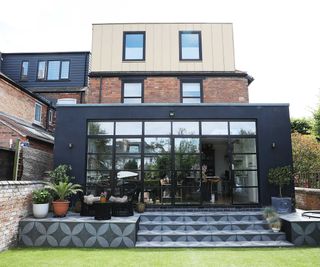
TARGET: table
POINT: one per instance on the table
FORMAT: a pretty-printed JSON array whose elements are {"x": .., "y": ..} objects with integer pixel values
[{"x": 102, "y": 211}]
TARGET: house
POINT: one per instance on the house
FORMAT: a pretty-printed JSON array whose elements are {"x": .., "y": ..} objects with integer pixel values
[
  {"x": 29, "y": 118},
  {"x": 54, "y": 75},
  {"x": 167, "y": 106}
]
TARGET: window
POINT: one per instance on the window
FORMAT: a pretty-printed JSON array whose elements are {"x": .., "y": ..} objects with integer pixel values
[
  {"x": 190, "y": 45},
  {"x": 37, "y": 113},
  {"x": 24, "y": 70},
  {"x": 132, "y": 92},
  {"x": 134, "y": 46},
  {"x": 53, "y": 70},
  {"x": 191, "y": 92},
  {"x": 41, "y": 70},
  {"x": 50, "y": 116}
]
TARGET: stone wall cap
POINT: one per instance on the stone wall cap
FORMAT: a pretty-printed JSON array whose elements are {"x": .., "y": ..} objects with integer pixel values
[
  {"x": 307, "y": 190},
  {"x": 5, "y": 183}
]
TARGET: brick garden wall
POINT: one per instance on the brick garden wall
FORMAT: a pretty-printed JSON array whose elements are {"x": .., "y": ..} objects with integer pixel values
[
  {"x": 307, "y": 198},
  {"x": 167, "y": 90},
  {"x": 15, "y": 204}
]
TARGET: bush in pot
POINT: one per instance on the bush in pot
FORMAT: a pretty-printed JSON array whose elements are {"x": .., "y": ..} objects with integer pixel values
[
  {"x": 61, "y": 188},
  {"x": 40, "y": 202},
  {"x": 281, "y": 176}
]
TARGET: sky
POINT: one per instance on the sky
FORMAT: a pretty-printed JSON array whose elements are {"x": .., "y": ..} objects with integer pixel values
[{"x": 276, "y": 41}]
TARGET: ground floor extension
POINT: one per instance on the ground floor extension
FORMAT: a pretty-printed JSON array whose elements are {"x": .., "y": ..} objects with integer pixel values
[{"x": 176, "y": 155}]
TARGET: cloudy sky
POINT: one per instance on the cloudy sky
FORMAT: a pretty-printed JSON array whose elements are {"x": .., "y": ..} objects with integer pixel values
[{"x": 276, "y": 42}]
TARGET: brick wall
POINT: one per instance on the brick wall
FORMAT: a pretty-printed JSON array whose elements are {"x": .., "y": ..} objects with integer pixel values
[
  {"x": 307, "y": 198},
  {"x": 15, "y": 204},
  {"x": 19, "y": 104},
  {"x": 167, "y": 90}
]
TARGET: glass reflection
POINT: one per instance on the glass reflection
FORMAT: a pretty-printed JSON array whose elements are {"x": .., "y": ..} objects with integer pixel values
[
  {"x": 99, "y": 145},
  {"x": 244, "y": 145},
  {"x": 242, "y": 128},
  {"x": 100, "y": 128},
  {"x": 243, "y": 162},
  {"x": 157, "y": 128},
  {"x": 187, "y": 162},
  {"x": 160, "y": 162},
  {"x": 245, "y": 195},
  {"x": 186, "y": 128},
  {"x": 128, "y": 163},
  {"x": 157, "y": 145},
  {"x": 99, "y": 162},
  {"x": 214, "y": 128},
  {"x": 245, "y": 178},
  {"x": 128, "y": 145},
  {"x": 129, "y": 128},
  {"x": 186, "y": 145}
]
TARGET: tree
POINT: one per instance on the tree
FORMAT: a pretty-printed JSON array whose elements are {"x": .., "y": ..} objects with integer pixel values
[
  {"x": 305, "y": 153},
  {"x": 302, "y": 126},
  {"x": 316, "y": 118}
]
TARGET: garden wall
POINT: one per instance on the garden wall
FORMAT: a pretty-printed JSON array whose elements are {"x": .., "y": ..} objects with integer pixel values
[
  {"x": 307, "y": 198},
  {"x": 15, "y": 204}
]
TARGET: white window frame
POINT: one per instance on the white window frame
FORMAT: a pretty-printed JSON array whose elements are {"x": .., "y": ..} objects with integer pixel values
[
  {"x": 35, "y": 113},
  {"x": 50, "y": 115}
]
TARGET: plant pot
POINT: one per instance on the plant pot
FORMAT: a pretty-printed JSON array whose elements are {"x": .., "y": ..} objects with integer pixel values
[
  {"x": 103, "y": 200},
  {"x": 275, "y": 230},
  {"x": 282, "y": 204},
  {"x": 140, "y": 207},
  {"x": 60, "y": 207},
  {"x": 40, "y": 210}
]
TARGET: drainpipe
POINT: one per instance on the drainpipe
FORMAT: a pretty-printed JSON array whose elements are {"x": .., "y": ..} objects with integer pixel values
[{"x": 100, "y": 90}]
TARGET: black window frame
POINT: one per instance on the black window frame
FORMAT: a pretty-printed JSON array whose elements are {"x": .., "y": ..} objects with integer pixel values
[
  {"x": 180, "y": 45},
  {"x": 46, "y": 70},
  {"x": 191, "y": 80},
  {"x": 24, "y": 78},
  {"x": 124, "y": 81},
  {"x": 124, "y": 46}
]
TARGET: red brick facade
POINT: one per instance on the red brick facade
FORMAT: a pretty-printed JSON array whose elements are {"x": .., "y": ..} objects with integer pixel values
[
  {"x": 76, "y": 95},
  {"x": 19, "y": 104},
  {"x": 167, "y": 90},
  {"x": 307, "y": 198}
]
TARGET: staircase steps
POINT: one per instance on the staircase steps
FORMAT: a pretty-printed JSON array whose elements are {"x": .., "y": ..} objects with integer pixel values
[{"x": 207, "y": 229}]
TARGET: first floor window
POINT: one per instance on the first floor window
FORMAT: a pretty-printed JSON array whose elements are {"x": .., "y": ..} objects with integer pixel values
[
  {"x": 132, "y": 92},
  {"x": 24, "y": 70},
  {"x": 191, "y": 92},
  {"x": 51, "y": 116},
  {"x": 37, "y": 113},
  {"x": 190, "y": 45},
  {"x": 134, "y": 46}
]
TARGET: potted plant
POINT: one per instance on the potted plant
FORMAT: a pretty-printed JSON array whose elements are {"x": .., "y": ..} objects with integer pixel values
[
  {"x": 275, "y": 223},
  {"x": 281, "y": 176},
  {"x": 103, "y": 197},
  {"x": 40, "y": 202},
  {"x": 140, "y": 207},
  {"x": 269, "y": 212},
  {"x": 61, "y": 191},
  {"x": 61, "y": 188}
]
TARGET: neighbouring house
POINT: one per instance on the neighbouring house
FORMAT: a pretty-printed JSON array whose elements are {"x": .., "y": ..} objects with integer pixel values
[
  {"x": 29, "y": 118},
  {"x": 54, "y": 75},
  {"x": 167, "y": 109}
]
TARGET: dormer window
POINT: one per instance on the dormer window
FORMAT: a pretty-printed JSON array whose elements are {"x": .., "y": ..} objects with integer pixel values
[
  {"x": 190, "y": 45},
  {"x": 134, "y": 46},
  {"x": 53, "y": 70},
  {"x": 24, "y": 70}
]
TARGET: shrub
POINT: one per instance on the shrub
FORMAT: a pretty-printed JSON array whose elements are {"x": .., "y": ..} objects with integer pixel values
[
  {"x": 60, "y": 174},
  {"x": 41, "y": 196}
]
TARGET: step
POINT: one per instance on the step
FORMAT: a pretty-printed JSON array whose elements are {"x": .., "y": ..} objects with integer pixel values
[
  {"x": 210, "y": 236},
  {"x": 242, "y": 244},
  {"x": 195, "y": 226},
  {"x": 201, "y": 217}
]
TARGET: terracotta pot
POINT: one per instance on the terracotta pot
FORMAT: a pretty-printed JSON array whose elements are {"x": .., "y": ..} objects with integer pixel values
[
  {"x": 60, "y": 207},
  {"x": 103, "y": 199}
]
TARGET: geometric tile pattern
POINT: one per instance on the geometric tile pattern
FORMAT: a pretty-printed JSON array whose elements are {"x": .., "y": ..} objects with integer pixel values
[
  {"x": 305, "y": 233},
  {"x": 77, "y": 233},
  {"x": 206, "y": 229}
]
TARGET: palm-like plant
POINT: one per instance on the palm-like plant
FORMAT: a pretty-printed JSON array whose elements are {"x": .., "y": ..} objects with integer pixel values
[{"x": 63, "y": 189}]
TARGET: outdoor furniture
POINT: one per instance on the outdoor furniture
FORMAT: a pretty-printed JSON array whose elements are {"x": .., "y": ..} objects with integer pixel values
[
  {"x": 102, "y": 211},
  {"x": 122, "y": 209}
]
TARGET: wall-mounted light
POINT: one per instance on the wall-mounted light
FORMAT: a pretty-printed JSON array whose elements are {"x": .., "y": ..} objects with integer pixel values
[
  {"x": 273, "y": 145},
  {"x": 70, "y": 145},
  {"x": 171, "y": 114}
]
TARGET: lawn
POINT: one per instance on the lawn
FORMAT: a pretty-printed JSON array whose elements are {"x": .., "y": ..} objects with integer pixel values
[{"x": 161, "y": 257}]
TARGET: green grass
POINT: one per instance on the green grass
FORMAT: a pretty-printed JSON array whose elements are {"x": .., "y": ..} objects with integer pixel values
[{"x": 275, "y": 257}]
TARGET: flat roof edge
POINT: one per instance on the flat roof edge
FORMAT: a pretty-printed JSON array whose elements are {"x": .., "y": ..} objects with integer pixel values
[
  {"x": 177, "y": 105},
  {"x": 130, "y": 23}
]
